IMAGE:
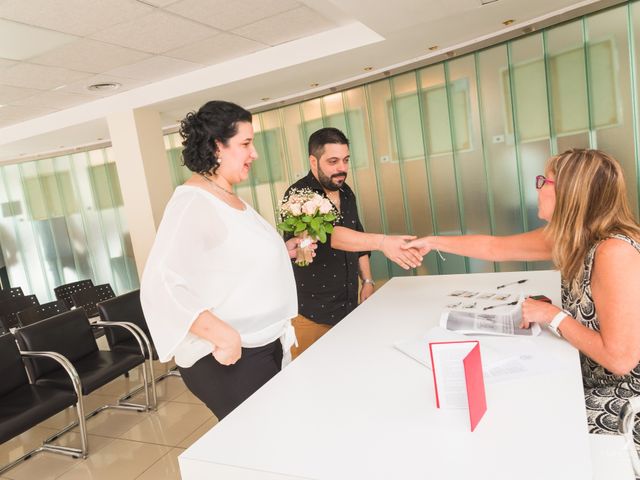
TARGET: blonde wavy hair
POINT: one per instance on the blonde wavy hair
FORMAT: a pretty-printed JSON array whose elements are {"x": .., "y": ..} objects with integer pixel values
[{"x": 591, "y": 205}]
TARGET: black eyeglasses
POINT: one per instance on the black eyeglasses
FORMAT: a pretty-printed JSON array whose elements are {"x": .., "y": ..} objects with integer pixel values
[{"x": 541, "y": 180}]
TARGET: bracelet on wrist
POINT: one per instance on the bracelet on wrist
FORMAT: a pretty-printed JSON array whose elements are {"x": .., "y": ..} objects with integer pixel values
[
  {"x": 554, "y": 325},
  {"x": 368, "y": 281}
]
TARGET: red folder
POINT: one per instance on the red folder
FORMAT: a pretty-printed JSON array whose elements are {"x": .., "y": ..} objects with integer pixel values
[{"x": 471, "y": 366}]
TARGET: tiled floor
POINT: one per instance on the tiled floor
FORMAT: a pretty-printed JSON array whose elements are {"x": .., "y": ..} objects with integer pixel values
[{"x": 123, "y": 444}]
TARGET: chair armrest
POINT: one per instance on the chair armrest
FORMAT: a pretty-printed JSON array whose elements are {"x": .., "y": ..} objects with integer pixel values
[
  {"x": 135, "y": 330},
  {"x": 64, "y": 362},
  {"x": 626, "y": 421}
]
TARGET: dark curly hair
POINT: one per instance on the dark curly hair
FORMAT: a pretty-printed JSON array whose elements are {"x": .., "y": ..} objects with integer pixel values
[{"x": 215, "y": 120}]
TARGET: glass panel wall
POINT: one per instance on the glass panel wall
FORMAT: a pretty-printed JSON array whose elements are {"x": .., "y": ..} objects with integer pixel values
[{"x": 62, "y": 221}]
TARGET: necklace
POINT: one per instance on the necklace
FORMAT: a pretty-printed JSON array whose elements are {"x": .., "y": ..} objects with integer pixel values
[{"x": 216, "y": 185}]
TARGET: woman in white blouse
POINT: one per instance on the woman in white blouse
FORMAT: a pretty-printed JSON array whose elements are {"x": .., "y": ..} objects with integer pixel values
[{"x": 219, "y": 277}]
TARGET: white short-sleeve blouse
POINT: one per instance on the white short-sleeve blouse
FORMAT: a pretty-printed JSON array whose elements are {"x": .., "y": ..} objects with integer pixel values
[{"x": 210, "y": 256}]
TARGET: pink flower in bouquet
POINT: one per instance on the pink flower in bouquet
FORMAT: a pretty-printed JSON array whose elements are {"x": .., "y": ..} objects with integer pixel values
[
  {"x": 295, "y": 209},
  {"x": 309, "y": 207},
  {"x": 325, "y": 206}
]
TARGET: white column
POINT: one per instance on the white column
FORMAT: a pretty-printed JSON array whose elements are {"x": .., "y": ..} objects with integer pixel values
[{"x": 143, "y": 170}]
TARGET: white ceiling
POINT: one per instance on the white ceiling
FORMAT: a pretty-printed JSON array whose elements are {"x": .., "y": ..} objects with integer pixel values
[{"x": 173, "y": 55}]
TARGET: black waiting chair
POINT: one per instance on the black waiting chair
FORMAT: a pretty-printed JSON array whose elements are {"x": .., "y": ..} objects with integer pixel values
[
  {"x": 104, "y": 291},
  {"x": 127, "y": 308},
  {"x": 89, "y": 297},
  {"x": 63, "y": 292},
  {"x": 24, "y": 405},
  {"x": 70, "y": 334},
  {"x": 11, "y": 293},
  {"x": 40, "y": 312},
  {"x": 86, "y": 299},
  {"x": 10, "y": 307}
]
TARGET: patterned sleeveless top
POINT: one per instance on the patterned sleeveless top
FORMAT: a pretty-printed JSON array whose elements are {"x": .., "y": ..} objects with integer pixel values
[{"x": 582, "y": 308}]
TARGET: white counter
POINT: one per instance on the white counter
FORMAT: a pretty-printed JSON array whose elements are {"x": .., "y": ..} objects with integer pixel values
[{"x": 353, "y": 407}]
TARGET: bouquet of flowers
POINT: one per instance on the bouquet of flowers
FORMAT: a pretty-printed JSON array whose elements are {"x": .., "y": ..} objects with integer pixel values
[{"x": 307, "y": 215}]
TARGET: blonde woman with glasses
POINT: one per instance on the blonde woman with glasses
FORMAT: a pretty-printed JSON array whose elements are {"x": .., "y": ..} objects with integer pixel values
[{"x": 593, "y": 239}]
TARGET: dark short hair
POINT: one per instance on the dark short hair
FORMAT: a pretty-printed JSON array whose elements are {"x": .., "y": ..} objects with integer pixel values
[
  {"x": 320, "y": 138},
  {"x": 215, "y": 120}
]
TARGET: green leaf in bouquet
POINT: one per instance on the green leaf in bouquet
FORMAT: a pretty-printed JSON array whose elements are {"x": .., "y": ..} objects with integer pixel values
[
  {"x": 300, "y": 227},
  {"x": 315, "y": 223},
  {"x": 328, "y": 227},
  {"x": 322, "y": 236},
  {"x": 285, "y": 228},
  {"x": 329, "y": 217},
  {"x": 306, "y": 218},
  {"x": 291, "y": 221}
]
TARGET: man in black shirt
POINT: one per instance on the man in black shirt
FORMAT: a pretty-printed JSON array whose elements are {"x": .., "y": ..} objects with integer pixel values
[{"x": 328, "y": 287}]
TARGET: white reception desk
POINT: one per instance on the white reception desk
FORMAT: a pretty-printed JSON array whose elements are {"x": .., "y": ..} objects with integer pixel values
[{"x": 354, "y": 407}]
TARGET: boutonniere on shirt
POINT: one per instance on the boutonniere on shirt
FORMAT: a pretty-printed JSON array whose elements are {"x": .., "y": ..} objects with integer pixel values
[{"x": 307, "y": 215}]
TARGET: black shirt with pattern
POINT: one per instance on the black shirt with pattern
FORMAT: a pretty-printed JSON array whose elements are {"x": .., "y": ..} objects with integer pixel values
[{"x": 328, "y": 286}]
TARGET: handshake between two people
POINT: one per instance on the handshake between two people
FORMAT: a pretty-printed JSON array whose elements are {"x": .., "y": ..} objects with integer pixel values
[{"x": 397, "y": 248}]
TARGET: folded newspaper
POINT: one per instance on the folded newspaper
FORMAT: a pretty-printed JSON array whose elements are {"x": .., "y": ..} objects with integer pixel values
[{"x": 482, "y": 317}]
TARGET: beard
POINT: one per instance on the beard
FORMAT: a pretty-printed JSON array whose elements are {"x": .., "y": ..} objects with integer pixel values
[{"x": 328, "y": 182}]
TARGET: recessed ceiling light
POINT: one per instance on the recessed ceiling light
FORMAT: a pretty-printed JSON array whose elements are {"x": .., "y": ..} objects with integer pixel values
[
  {"x": 433, "y": 47},
  {"x": 506, "y": 23},
  {"x": 368, "y": 69},
  {"x": 314, "y": 84},
  {"x": 103, "y": 87}
]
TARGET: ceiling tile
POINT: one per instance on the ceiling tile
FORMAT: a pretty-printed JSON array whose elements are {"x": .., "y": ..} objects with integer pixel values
[
  {"x": 155, "y": 68},
  {"x": 81, "y": 86},
  {"x": 217, "y": 49},
  {"x": 286, "y": 26},
  {"x": 11, "y": 94},
  {"x": 227, "y": 15},
  {"x": 57, "y": 100},
  {"x": 40, "y": 77},
  {"x": 90, "y": 56},
  {"x": 79, "y": 17},
  {"x": 19, "y": 41},
  {"x": 156, "y": 33},
  {"x": 6, "y": 63}
]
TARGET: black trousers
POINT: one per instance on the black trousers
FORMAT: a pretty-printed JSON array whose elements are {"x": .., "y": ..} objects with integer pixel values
[{"x": 223, "y": 387}]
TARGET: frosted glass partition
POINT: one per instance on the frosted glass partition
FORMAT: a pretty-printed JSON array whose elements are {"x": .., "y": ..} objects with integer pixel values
[{"x": 62, "y": 221}]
